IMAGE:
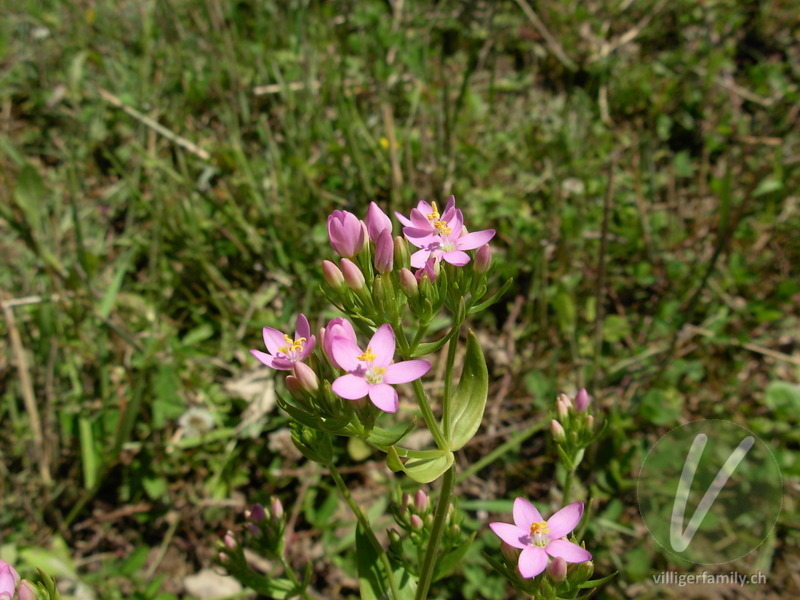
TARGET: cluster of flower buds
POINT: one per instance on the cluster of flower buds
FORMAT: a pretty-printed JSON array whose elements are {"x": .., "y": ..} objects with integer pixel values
[
  {"x": 267, "y": 527},
  {"x": 573, "y": 427},
  {"x": 414, "y": 515},
  {"x": 12, "y": 587}
]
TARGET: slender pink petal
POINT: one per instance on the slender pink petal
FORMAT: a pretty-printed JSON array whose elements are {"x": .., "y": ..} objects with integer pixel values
[
  {"x": 565, "y": 520},
  {"x": 382, "y": 344},
  {"x": 384, "y": 397},
  {"x": 511, "y": 534},
  {"x": 345, "y": 352},
  {"x": 406, "y": 371},
  {"x": 308, "y": 347},
  {"x": 568, "y": 551},
  {"x": 420, "y": 221},
  {"x": 377, "y": 222},
  {"x": 525, "y": 513},
  {"x": 279, "y": 364},
  {"x": 419, "y": 257},
  {"x": 302, "y": 330},
  {"x": 474, "y": 240},
  {"x": 350, "y": 387},
  {"x": 404, "y": 221},
  {"x": 273, "y": 339},
  {"x": 456, "y": 257},
  {"x": 532, "y": 561}
]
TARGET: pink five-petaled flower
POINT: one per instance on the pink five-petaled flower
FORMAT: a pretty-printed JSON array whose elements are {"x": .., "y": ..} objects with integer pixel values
[
  {"x": 426, "y": 216},
  {"x": 538, "y": 538},
  {"x": 447, "y": 243},
  {"x": 283, "y": 350},
  {"x": 371, "y": 371},
  {"x": 346, "y": 232}
]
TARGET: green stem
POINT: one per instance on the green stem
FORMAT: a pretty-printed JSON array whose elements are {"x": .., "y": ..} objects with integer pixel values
[
  {"x": 289, "y": 571},
  {"x": 426, "y": 574},
  {"x": 427, "y": 415},
  {"x": 448, "y": 382},
  {"x": 364, "y": 522},
  {"x": 567, "y": 485}
]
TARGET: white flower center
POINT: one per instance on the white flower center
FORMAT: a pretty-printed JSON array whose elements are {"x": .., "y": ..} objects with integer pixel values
[
  {"x": 375, "y": 375},
  {"x": 447, "y": 246}
]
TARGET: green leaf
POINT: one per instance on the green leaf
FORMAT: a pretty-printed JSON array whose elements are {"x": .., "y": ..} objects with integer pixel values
[
  {"x": 597, "y": 582},
  {"x": 430, "y": 347},
  {"x": 469, "y": 399},
  {"x": 372, "y": 580},
  {"x": 448, "y": 562},
  {"x": 422, "y": 466},
  {"x": 389, "y": 437},
  {"x": 783, "y": 398}
]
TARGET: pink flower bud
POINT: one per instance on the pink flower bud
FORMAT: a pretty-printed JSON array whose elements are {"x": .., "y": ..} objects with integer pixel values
[
  {"x": 590, "y": 421},
  {"x": 377, "y": 222},
  {"x": 557, "y": 569},
  {"x": 408, "y": 283},
  {"x": 26, "y": 590},
  {"x": 421, "y": 501},
  {"x": 384, "y": 252},
  {"x": 557, "y": 431},
  {"x": 306, "y": 377},
  {"x": 253, "y": 529},
  {"x": 510, "y": 553},
  {"x": 483, "y": 259},
  {"x": 294, "y": 387},
  {"x": 352, "y": 275},
  {"x": 430, "y": 268},
  {"x": 565, "y": 399},
  {"x": 9, "y": 578},
  {"x": 332, "y": 274},
  {"x": 229, "y": 541},
  {"x": 277, "y": 508},
  {"x": 338, "y": 327},
  {"x": 406, "y": 500},
  {"x": 562, "y": 409},
  {"x": 257, "y": 513},
  {"x": 346, "y": 232},
  {"x": 582, "y": 400},
  {"x": 416, "y": 523}
]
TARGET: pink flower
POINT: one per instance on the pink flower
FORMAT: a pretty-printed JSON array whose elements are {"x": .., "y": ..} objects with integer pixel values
[
  {"x": 371, "y": 371},
  {"x": 9, "y": 578},
  {"x": 283, "y": 350},
  {"x": 539, "y": 539},
  {"x": 447, "y": 241},
  {"x": 425, "y": 215},
  {"x": 346, "y": 232},
  {"x": 427, "y": 269},
  {"x": 377, "y": 222},
  {"x": 341, "y": 328}
]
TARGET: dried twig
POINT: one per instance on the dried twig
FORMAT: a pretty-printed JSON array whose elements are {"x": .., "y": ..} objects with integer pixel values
[{"x": 550, "y": 40}]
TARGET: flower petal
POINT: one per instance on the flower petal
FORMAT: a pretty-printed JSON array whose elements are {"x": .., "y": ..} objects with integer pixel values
[
  {"x": 419, "y": 257},
  {"x": 406, "y": 371},
  {"x": 384, "y": 397},
  {"x": 279, "y": 364},
  {"x": 344, "y": 353},
  {"x": 456, "y": 257},
  {"x": 308, "y": 347},
  {"x": 404, "y": 221},
  {"x": 525, "y": 513},
  {"x": 532, "y": 561},
  {"x": 511, "y": 534},
  {"x": 475, "y": 239},
  {"x": 568, "y": 551},
  {"x": 382, "y": 344},
  {"x": 565, "y": 520},
  {"x": 302, "y": 330},
  {"x": 273, "y": 339},
  {"x": 420, "y": 221},
  {"x": 350, "y": 387}
]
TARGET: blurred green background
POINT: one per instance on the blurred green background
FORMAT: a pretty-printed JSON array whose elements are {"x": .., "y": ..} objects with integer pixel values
[{"x": 167, "y": 167}]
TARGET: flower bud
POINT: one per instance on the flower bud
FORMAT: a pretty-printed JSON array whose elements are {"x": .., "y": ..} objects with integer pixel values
[
  {"x": 557, "y": 431},
  {"x": 223, "y": 558},
  {"x": 590, "y": 422},
  {"x": 9, "y": 578},
  {"x": 26, "y": 591},
  {"x": 277, "y": 508},
  {"x": 421, "y": 501},
  {"x": 483, "y": 259},
  {"x": 582, "y": 400},
  {"x": 408, "y": 283},
  {"x": 384, "y": 253},
  {"x": 306, "y": 378},
  {"x": 347, "y": 233},
  {"x": 253, "y": 529},
  {"x": 332, "y": 274},
  {"x": 565, "y": 399},
  {"x": 510, "y": 553},
  {"x": 401, "y": 254},
  {"x": 257, "y": 513},
  {"x": 562, "y": 409},
  {"x": 352, "y": 275},
  {"x": 416, "y": 523},
  {"x": 295, "y": 388},
  {"x": 377, "y": 222},
  {"x": 229, "y": 541},
  {"x": 394, "y": 537},
  {"x": 557, "y": 569}
]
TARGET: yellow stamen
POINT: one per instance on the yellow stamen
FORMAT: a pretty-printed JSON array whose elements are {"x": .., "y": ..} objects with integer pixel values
[
  {"x": 293, "y": 346},
  {"x": 539, "y": 528},
  {"x": 368, "y": 355},
  {"x": 433, "y": 216},
  {"x": 442, "y": 227}
]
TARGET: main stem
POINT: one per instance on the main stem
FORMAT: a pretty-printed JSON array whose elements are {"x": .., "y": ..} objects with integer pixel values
[
  {"x": 364, "y": 522},
  {"x": 426, "y": 574},
  {"x": 287, "y": 568}
]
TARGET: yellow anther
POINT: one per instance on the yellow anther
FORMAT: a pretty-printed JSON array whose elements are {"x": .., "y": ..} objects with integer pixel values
[
  {"x": 539, "y": 527},
  {"x": 293, "y": 346},
  {"x": 442, "y": 227},
  {"x": 434, "y": 215},
  {"x": 368, "y": 355}
]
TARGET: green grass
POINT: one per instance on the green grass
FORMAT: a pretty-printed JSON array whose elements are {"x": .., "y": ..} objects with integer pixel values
[{"x": 139, "y": 270}]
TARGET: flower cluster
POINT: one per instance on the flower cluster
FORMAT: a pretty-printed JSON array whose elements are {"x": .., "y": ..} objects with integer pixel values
[{"x": 12, "y": 587}]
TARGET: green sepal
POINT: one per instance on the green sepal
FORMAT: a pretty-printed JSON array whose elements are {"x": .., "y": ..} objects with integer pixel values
[
  {"x": 378, "y": 436},
  {"x": 315, "y": 445},
  {"x": 492, "y": 299},
  {"x": 426, "y": 348},
  {"x": 469, "y": 399},
  {"x": 597, "y": 582},
  {"x": 422, "y": 466}
]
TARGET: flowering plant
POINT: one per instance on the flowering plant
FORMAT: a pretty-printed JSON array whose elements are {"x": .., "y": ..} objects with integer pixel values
[{"x": 345, "y": 387}]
